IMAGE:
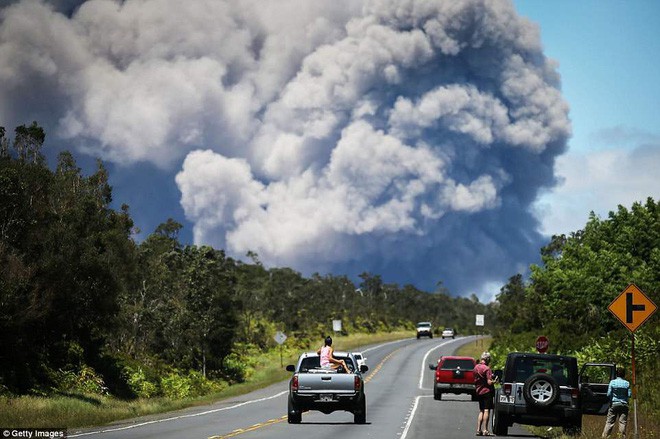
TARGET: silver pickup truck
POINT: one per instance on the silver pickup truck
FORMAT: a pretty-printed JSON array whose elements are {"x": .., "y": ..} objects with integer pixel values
[{"x": 315, "y": 388}]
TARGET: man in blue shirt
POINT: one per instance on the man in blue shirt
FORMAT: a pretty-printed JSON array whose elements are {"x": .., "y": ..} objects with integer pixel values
[{"x": 619, "y": 392}]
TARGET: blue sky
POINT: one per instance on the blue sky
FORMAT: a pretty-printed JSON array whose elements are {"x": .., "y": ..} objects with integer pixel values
[
  {"x": 609, "y": 59},
  {"x": 422, "y": 141}
]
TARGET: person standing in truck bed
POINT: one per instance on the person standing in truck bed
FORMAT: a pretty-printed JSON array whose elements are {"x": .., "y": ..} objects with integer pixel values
[{"x": 326, "y": 356}]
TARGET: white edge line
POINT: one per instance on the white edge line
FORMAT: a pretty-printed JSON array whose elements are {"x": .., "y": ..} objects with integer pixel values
[
  {"x": 412, "y": 415},
  {"x": 192, "y": 415},
  {"x": 414, "y": 409}
]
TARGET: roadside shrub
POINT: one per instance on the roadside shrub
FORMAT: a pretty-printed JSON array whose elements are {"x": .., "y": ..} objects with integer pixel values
[
  {"x": 201, "y": 385},
  {"x": 175, "y": 386},
  {"x": 85, "y": 380},
  {"x": 234, "y": 368},
  {"x": 140, "y": 385}
]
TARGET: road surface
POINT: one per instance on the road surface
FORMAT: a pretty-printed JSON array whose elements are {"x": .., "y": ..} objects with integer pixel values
[{"x": 400, "y": 405}]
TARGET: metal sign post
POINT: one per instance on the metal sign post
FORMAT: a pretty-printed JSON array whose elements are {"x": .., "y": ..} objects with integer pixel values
[
  {"x": 479, "y": 321},
  {"x": 280, "y": 338},
  {"x": 634, "y": 388},
  {"x": 633, "y": 308}
]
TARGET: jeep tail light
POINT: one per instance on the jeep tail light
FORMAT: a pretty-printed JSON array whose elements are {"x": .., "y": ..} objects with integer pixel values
[
  {"x": 294, "y": 383},
  {"x": 575, "y": 393},
  {"x": 507, "y": 388},
  {"x": 356, "y": 382}
]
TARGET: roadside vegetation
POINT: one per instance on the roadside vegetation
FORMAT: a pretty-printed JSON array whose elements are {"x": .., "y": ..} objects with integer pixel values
[
  {"x": 87, "y": 409},
  {"x": 90, "y": 317},
  {"x": 566, "y": 299},
  {"x": 475, "y": 349}
]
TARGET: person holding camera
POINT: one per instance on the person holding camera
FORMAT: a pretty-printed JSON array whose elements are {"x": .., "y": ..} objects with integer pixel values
[{"x": 484, "y": 383}]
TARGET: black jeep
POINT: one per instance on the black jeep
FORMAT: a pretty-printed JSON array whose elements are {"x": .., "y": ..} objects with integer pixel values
[{"x": 545, "y": 389}]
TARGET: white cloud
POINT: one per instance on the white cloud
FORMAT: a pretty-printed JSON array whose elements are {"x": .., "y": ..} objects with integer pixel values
[
  {"x": 478, "y": 195},
  {"x": 217, "y": 191},
  {"x": 462, "y": 109},
  {"x": 599, "y": 181}
]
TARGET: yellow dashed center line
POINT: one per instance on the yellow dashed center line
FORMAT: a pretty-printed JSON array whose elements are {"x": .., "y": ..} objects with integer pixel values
[
  {"x": 284, "y": 418},
  {"x": 254, "y": 427}
]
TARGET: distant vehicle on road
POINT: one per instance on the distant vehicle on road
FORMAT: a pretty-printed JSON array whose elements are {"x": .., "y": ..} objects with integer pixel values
[
  {"x": 545, "y": 389},
  {"x": 361, "y": 359},
  {"x": 327, "y": 390},
  {"x": 424, "y": 329},
  {"x": 447, "y": 333},
  {"x": 454, "y": 374}
]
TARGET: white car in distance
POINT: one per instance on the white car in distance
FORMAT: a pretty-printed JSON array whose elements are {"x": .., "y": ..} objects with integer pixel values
[
  {"x": 448, "y": 332},
  {"x": 361, "y": 359}
]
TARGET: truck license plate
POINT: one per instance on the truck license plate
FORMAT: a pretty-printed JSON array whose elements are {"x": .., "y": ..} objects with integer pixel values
[
  {"x": 325, "y": 398},
  {"x": 507, "y": 399}
]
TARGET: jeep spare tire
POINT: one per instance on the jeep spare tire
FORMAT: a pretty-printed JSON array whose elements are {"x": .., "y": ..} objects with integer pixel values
[{"x": 541, "y": 390}]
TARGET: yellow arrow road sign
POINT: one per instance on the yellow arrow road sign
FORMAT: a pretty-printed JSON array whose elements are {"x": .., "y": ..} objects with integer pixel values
[{"x": 632, "y": 307}]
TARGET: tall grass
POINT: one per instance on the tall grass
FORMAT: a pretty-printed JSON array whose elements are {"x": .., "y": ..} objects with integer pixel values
[
  {"x": 592, "y": 427},
  {"x": 476, "y": 348},
  {"x": 81, "y": 410}
]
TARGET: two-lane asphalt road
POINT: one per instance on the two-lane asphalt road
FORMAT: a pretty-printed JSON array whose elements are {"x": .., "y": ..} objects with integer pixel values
[{"x": 400, "y": 405}]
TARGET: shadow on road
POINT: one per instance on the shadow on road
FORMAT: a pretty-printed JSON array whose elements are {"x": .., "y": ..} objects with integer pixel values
[
  {"x": 520, "y": 435},
  {"x": 462, "y": 401},
  {"x": 334, "y": 423}
]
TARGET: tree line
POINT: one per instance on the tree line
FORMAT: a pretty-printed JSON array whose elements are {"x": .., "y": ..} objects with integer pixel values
[{"x": 81, "y": 301}]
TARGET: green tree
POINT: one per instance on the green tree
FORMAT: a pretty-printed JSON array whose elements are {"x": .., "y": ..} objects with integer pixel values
[{"x": 66, "y": 257}]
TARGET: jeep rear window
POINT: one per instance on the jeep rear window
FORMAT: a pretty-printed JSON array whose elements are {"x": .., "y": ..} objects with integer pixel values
[
  {"x": 560, "y": 370},
  {"x": 456, "y": 363}
]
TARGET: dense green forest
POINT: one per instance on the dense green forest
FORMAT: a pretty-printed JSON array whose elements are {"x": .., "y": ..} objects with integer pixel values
[{"x": 84, "y": 307}]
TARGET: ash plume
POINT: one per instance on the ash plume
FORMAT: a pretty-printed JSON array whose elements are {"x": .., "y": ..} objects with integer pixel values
[{"x": 405, "y": 138}]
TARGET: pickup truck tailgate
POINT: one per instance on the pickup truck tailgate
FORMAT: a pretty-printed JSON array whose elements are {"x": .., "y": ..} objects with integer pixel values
[{"x": 326, "y": 383}]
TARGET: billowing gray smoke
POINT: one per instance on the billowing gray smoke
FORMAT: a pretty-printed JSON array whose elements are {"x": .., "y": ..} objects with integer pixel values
[{"x": 405, "y": 138}]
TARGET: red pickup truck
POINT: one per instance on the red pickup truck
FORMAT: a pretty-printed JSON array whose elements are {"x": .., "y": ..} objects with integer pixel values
[{"x": 453, "y": 375}]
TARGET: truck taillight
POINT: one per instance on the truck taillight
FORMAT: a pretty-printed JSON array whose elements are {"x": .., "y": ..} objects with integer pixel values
[
  {"x": 294, "y": 383},
  {"x": 575, "y": 393},
  {"x": 357, "y": 383},
  {"x": 507, "y": 389}
]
